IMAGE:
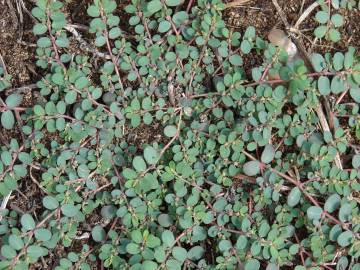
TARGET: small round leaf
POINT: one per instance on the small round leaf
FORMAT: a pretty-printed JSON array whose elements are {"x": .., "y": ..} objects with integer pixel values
[
  {"x": 151, "y": 155},
  {"x": 42, "y": 234},
  {"x": 27, "y": 222},
  {"x": 251, "y": 168},
  {"x": 345, "y": 238},
  {"x": 13, "y": 100},
  {"x": 7, "y": 120},
  {"x": 168, "y": 238},
  {"x": 50, "y": 203},
  {"x": 98, "y": 233},
  {"x": 332, "y": 203},
  {"x": 356, "y": 161},
  {"x": 268, "y": 154},
  {"x": 294, "y": 197},
  {"x": 314, "y": 212},
  {"x": 179, "y": 254},
  {"x": 16, "y": 242},
  {"x": 252, "y": 264},
  {"x": 139, "y": 164},
  {"x": 170, "y": 131},
  {"x": 69, "y": 210}
]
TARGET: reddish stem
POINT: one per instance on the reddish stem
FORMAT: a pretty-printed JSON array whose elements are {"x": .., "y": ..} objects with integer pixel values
[{"x": 191, "y": 2}]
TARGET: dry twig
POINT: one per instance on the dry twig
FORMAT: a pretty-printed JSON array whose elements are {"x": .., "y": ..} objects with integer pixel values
[
  {"x": 2, "y": 64},
  {"x": 36, "y": 182},
  {"x": 13, "y": 14},
  {"x": 4, "y": 203},
  {"x": 236, "y": 3},
  {"x": 305, "y": 14},
  {"x": 21, "y": 90},
  {"x": 83, "y": 44}
]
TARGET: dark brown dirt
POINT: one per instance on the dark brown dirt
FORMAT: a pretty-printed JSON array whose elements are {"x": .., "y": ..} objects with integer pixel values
[
  {"x": 144, "y": 134},
  {"x": 16, "y": 44},
  {"x": 259, "y": 14}
]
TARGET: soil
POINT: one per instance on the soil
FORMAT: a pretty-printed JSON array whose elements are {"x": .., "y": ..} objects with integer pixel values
[
  {"x": 145, "y": 134},
  {"x": 17, "y": 44}
]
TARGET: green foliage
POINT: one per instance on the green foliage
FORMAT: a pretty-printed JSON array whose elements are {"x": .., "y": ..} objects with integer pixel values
[
  {"x": 330, "y": 21},
  {"x": 156, "y": 150},
  {"x": 7, "y": 119}
]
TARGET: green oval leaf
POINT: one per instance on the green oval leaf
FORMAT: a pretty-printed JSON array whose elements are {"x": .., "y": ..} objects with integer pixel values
[
  {"x": 42, "y": 234},
  {"x": 345, "y": 212},
  {"x": 173, "y": 3},
  {"x": 318, "y": 61},
  {"x": 93, "y": 11},
  {"x": 165, "y": 220},
  {"x": 324, "y": 85},
  {"x": 154, "y": 6},
  {"x": 170, "y": 131},
  {"x": 168, "y": 238},
  {"x": 332, "y": 203},
  {"x": 50, "y": 203},
  {"x": 44, "y": 42},
  {"x": 252, "y": 168},
  {"x": 149, "y": 265},
  {"x": 322, "y": 16},
  {"x": 294, "y": 197},
  {"x": 252, "y": 264},
  {"x": 268, "y": 154},
  {"x": 179, "y": 254},
  {"x": 345, "y": 238},
  {"x": 16, "y": 242},
  {"x": 139, "y": 164},
  {"x": 356, "y": 160},
  {"x": 355, "y": 94},
  {"x": 164, "y": 26},
  {"x": 69, "y": 210},
  {"x": 132, "y": 248},
  {"x": 8, "y": 252},
  {"x": 314, "y": 212},
  {"x": 13, "y": 100},
  {"x": 195, "y": 253},
  {"x": 7, "y": 120},
  {"x": 98, "y": 233},
  {"x": 39, "y": 29},
  {"x": 27, "y": 222},
  {"x": 151, "y": 155}
]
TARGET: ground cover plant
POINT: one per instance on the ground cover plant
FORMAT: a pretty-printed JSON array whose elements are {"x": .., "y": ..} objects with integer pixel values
[{"x": 157, "y": 146}]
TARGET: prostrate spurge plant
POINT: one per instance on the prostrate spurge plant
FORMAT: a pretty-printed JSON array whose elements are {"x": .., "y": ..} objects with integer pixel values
[{"x": 235, "y": 172}]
